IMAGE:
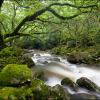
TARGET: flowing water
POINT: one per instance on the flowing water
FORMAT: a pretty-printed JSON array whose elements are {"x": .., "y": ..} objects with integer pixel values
[{"x": 56, "y": 68}]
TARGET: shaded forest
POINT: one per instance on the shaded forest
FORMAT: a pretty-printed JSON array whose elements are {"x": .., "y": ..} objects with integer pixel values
[{"x": 69, "y": 28}]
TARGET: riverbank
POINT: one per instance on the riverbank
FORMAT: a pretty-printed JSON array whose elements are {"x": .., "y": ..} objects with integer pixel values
[
  {"x": 87, "y": 55},
  {"x": 18, "y": 80}
]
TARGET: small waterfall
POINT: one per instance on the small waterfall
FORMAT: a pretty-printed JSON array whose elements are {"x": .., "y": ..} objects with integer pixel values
[{"x": 57, "y": 68}]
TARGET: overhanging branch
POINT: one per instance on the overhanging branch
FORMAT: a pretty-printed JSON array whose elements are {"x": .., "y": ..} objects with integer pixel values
[
  {"x": 48, "y": 8},
  {"x": 62, "y": 17}
]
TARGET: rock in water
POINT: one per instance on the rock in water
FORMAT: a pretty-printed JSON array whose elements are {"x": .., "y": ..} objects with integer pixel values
[
  {"x": 57, "y": 93},
  {"x": 84, "y": 96},
  {"x": 68, "y": 82},
  {"x": 88, "y": 84}
]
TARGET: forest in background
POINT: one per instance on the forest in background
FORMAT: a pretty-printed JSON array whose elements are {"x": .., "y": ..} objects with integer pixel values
[{"x": 45, "y": 24}]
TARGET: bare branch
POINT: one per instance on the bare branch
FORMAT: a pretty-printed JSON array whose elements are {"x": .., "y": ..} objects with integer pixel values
[
  {"x": 71, "y": 5},
  {"x": 62, "y": 17}
]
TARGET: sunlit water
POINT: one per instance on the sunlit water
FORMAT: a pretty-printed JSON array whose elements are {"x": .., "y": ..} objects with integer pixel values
[{"x": 56, "y": 68}]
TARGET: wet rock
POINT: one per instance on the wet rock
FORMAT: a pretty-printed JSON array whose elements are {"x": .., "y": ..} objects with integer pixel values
[
  {"x": 45, "y": 62},
  {"x": 56, "y": 59},
  {"x": 78, "y": 57},
  {"x": 38, "y": 55},
  {"x": 72, "y": 59},
  {"x": 27, "y": 60},
  {"x": 68, "y": 82},
  {"x": 84, "y": 96},
  {"x": 57, "y": 93},
  {"x": 39, "y": 90},
  {"x": 40, "y": 75},
  {"x": 88, "y": 84}
]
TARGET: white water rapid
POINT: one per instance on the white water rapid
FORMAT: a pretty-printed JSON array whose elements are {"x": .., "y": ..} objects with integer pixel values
[{"x": 56, "y": 68}]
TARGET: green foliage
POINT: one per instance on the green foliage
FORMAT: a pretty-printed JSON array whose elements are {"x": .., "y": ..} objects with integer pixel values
[
  {"x": 11, "y": 51},
  {"x": 40, "y": 90},
  {"x": 10, "y": 55},
  {"x": 15, "y": 74},
  {"x": 37, "y": 90},
  {"x": 14, "y": 55},
  {"x": 97, "y": 38},
  {"x": 62, "y": 50},
  {"x": 8, "y": 93},
  {"x": 71, "y": 43},
  {"x": 11, "y": 93},
  {"x": 80, "y": 28}
]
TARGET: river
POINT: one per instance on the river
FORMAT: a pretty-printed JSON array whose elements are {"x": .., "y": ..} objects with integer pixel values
[{"x": 56, "y": 68}]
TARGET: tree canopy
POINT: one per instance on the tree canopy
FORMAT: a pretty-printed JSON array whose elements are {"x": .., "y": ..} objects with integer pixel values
[{"x": 29, "y": 17}]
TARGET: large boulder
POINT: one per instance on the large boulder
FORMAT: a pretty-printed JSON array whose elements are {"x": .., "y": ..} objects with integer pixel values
[
  {"x": 36, "y": 90},
  {"x": 8, "y": 93},
  {"x": 14, "y": 55},
  {"x": 14, "y": 74},
  {"x": 40, "y": 74},
  {"x": 12, "y": 93},
  {"x": 84, "y": 96},
  {"x": 27, "y": 60},
  {"x": 78, "y": 57},
  {"x": 68, "y": 82},
  {"x": 88, "y": 84},
  {"x": 39, "y": 89},
  {"x": 57, "y": 93}
]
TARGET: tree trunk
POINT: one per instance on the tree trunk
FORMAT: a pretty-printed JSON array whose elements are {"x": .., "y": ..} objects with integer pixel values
[{"x": 1, "y": 2}]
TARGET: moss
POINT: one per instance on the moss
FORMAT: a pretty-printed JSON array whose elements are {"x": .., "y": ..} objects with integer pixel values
[
  {"x": 57, "y": 93},
  {"x": 8, "y": 93},
  {"x": 26, "y": 60},
  {"x": 88, "y": 84},
  {"x": 68, "y": 82},
  {"x": 11, "y": 51},
  {"x": 39, "y": 89},
  {"x": 14, "y": 74},
  {"x": 87, "y": 55},
  {"x": 12, "y": 93},
  {"x": 13, "y": 55},
  {"x": 9, "y": 60},
  {"x": 60, "y": 50}
]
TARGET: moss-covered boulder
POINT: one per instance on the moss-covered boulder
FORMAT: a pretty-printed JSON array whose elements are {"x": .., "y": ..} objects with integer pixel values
[
  {"x": 78, "y": 57},
  {"x": 84, "y": 96},
  {"x": 14, "y": 55},
  {"x": 11, "y": 51},
  {"x": 12, "y": 93},
  {"x": 15, "y": 74},
  {"x": 68, "y": 82},
  {"x": 39, "y": 89},
  {"x": 36, "y": 90},
  {"x": 27, "y": 60},
  {"x": 58, "y": 93},
  {"x": 7, "y": 93},
  {"x": 88, "y": 84}
]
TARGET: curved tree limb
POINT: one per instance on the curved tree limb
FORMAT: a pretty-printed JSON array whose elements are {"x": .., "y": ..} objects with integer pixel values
[{"x": 48, "y": 8}]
